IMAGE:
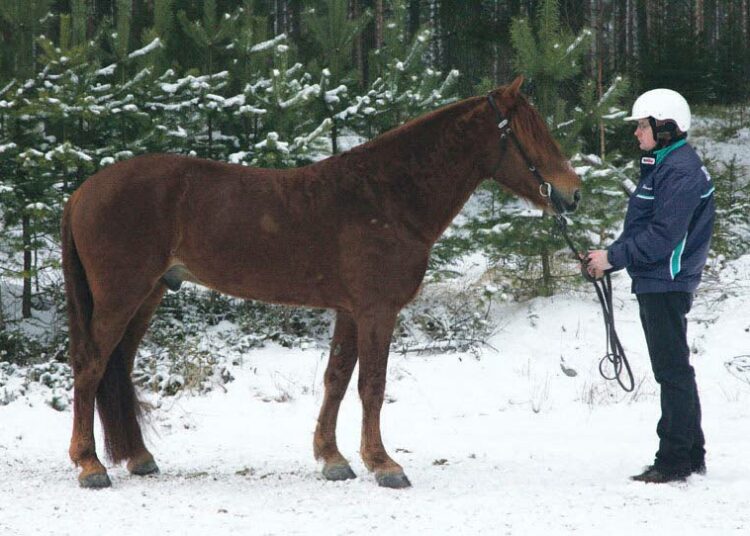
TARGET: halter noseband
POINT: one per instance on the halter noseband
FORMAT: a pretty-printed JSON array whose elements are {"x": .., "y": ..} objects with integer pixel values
[{"x": 546, "y": 190}]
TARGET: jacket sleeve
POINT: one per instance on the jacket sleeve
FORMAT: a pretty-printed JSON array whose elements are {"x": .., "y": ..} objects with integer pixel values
[{"x": 676, "y": 197}]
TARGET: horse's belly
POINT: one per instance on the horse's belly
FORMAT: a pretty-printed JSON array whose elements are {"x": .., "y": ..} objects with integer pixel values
[{"x": 284, "y": 284}]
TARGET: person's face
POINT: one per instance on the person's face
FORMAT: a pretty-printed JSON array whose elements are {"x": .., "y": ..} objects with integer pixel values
[{"x": 645, "y": 135}]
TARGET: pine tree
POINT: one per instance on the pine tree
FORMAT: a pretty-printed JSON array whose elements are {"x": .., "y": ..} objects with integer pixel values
[
  {"x": 731, "y": 237},
  {"x": 210, "y": 36},
  {"x": 335, "y": 34},
  {"x": 406, "y": 88},
  {"x": 24, "y": 25},
  {"x": 163, "y": 28},
  {"x": 287, "y": 133}
]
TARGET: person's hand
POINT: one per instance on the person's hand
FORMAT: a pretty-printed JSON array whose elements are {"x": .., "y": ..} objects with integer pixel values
[{"x": 597, "y": 263}]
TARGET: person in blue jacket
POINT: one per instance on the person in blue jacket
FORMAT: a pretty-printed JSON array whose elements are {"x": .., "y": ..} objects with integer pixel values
[{"x": 664, "y": 245}]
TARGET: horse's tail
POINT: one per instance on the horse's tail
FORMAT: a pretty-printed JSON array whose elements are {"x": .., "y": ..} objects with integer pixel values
[
  {"x": 79, "y": 300},
  {"x": 116, "y": 400}
]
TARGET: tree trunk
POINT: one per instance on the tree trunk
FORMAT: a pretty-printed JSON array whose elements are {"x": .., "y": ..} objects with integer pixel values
[
  {"x": 599, "y": 14},
  {"x": 546, "y": 289},
  {"x": 334, "y": 137},
  {"x": 26, "y": 299},
  {"x": 379, "y": 24},
  {"x": 2, "y": 317},
  {"x": 699, "y": 21},
  {"x": 414, "y": 17},
  {"x": 630, "y": 31},
  {"x": 295, "y": 19},
  {"x": 359, "y": 45}
]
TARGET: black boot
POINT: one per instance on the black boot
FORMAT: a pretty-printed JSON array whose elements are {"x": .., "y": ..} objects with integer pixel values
[
  {"x": 660, "y": 475},
  {"x": 698, "y": 467}
]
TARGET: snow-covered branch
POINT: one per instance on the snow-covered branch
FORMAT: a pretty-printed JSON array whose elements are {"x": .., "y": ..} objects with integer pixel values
[{"x": 153, "y": 45}]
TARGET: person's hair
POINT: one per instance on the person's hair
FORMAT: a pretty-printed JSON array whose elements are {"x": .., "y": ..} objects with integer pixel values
[{"x": 665, "y": 131}]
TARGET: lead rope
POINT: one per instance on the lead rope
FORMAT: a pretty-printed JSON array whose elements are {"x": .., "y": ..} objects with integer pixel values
[
  {"x": 615, "y": 359},
  {"x": 615, "y": 353}
]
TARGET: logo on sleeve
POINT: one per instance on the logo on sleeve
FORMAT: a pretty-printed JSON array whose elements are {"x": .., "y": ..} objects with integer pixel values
[
  {"x": 648, "y": 160},
  {"x": 706, "y": 173}
]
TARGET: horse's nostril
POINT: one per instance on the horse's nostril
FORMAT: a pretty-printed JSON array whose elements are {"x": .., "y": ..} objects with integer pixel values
[{"x": 577, "y": 196}]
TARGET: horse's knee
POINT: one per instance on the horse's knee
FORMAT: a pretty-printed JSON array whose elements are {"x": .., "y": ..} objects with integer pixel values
[
  {"x": 371, "y": 389},
  {"x": 336, "y": 382}
]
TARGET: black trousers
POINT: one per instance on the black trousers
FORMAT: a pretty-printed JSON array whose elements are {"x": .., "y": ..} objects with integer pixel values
[{"x": 681, "y": 440}]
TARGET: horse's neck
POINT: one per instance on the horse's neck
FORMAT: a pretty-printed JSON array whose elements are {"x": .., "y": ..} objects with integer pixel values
[
  {"x": 432, "y": 180},
  {"x": 439, "y": 178},
  {"x": 443, "y": 193}
]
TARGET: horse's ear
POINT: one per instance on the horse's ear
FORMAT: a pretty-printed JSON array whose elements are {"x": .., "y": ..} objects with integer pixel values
[{"x": 515, "y": 87}]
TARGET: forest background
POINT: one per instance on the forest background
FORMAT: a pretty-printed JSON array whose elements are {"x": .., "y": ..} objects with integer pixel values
[{"x": 279, "y": 83}]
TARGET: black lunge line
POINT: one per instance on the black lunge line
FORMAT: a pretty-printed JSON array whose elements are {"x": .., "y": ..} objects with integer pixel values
[{"x": 615, "y": 355}]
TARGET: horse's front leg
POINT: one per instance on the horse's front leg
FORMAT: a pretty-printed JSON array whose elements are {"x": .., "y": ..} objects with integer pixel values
[
  {"x": 374, "y": 331},
  {"x": 341, "y": 363}
]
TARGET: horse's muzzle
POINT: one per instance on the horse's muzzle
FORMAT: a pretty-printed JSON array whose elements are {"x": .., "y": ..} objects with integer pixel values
[
  {"x": 563, "y": 204},
  {"x": 571, "y": 207}
]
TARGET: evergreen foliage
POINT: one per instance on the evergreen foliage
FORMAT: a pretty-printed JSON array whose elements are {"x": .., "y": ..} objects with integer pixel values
[
  {"x": 334, "y": 32},
  {"x": 732, "y": 232}
]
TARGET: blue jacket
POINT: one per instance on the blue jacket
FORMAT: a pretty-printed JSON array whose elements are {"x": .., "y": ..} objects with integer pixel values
[{"x": 667, "y": 233}]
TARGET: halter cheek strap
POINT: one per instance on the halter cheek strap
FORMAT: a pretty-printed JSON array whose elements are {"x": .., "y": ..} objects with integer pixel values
[{"x": 546, "y": 190}]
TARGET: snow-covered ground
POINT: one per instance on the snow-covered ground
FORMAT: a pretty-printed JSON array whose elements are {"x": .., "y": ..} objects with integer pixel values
[
  {"x": 706, "y": 142},
  {"x": 500, "y": 443}
]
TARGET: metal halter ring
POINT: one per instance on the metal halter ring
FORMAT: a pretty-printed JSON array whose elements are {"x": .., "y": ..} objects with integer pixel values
[{"x": 545, "y": 189}]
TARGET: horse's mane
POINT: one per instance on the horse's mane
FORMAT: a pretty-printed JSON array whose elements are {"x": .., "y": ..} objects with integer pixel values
[
  {"x": 425, "y": 128},
  {"x": 532, "y": 132},
  {"x": 428, "y": 121},
  {"x": 456, "y": 120}
]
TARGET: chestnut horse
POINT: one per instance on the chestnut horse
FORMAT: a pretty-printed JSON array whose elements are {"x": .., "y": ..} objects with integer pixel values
[{"x": 351, "y": 233}]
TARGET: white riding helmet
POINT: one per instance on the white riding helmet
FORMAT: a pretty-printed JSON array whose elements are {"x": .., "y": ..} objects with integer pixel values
[{"x": 662, "y": 104}]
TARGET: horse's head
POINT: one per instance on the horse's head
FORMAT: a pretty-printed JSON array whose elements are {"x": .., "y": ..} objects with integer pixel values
[{"x": 524, "y": 158}]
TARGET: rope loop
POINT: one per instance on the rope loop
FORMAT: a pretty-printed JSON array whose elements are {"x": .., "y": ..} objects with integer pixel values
[{"x": 615, "y": 359}]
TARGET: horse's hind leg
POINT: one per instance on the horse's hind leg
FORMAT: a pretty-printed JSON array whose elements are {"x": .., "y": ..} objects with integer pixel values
[
  {"x": 341, "y": 363},
  {"x": 374, "y": 331},
  {"x": 82, "y": 447},
  {"x": 139, "y": 459},
  {"x": 96, "y": 376}
]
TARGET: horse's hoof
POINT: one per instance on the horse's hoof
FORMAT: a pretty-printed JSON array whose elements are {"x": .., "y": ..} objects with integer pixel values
[
  {"x": 95, "y": 481},
  {"x": 338, "y": 472},
  {"x": 146, "y": 468},
  {"x": 392, "y": 480}
]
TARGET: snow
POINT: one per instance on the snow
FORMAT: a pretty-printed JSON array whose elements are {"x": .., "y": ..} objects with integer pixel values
[
  {"x": 302, "y": 96},
  {"x": 109, "y": 70},
  {"x": 37, "y": 206},
  {"x": 499, "y": 443},
  {"x": 153, "y": 45},
  {"x": 265, "y": 45},
  {"x": 578, "y": 40},
  {"x": 721, "y": 150}
]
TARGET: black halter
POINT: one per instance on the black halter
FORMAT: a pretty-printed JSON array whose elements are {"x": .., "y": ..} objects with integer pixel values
[
  {"x": 615, "y": 356},
  {"x": 546, "y": 190}
]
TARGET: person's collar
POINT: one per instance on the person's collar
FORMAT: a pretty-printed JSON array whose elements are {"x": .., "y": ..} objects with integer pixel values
[{"x": 661, "y": 154}]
